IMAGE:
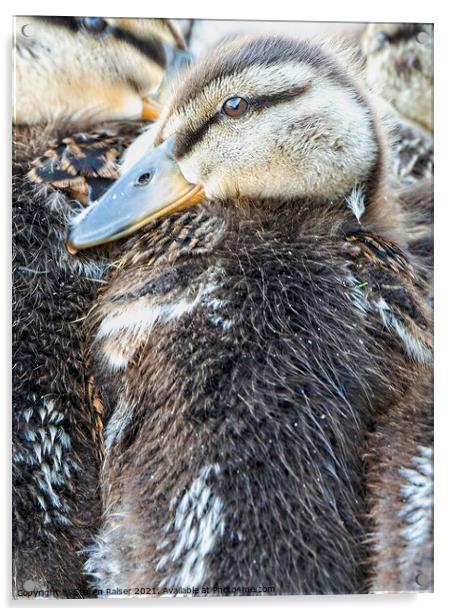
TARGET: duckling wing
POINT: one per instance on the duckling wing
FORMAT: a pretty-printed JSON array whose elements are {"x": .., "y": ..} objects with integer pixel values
[
  {"x": 380, "y": 251},
  {"x": 396, "y": 292}
]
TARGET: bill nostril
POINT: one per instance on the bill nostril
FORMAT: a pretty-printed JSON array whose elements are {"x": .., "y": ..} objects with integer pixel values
[{"x": 144, "y": 178}]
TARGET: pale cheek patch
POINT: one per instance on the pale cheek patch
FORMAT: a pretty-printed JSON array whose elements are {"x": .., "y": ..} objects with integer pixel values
[{"x": 197, "y": 524}]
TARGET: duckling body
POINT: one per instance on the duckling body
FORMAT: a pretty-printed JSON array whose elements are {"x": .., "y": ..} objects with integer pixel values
[
  {"x": 239, "y": 386},
  {"x": 245, "y": 353},
  {"x": 399, "y": 66},
  {"x": 65, "y": 151}
]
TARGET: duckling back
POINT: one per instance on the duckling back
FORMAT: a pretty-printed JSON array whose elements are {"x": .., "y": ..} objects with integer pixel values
[{"x": 241, "y": 380}]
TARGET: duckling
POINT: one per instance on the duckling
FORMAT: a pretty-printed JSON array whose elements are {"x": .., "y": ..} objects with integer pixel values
[
  {"x": 83, "y": 88},
  {"x": 399, "y": 68},
  {"x": 261, "y": 326}
]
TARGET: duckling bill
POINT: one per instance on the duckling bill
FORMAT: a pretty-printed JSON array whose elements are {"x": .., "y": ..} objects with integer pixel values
[{"x": 154, "y": 187}]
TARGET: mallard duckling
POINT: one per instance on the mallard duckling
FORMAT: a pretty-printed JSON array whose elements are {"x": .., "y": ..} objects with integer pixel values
[
  {"x": 72, "y": 75},
  {"x": 399, "y": 68},
  {"x": 244, "y": 351},
  {"x": 105, "y": 69}
]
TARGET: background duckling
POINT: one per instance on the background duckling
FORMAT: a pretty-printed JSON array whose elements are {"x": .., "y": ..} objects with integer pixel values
[
  {"x": 72, "y": 75},
  {"x": 399, "y": 68},
  {"x": 244, "y": 362},
  {"x": 400, "y": 483},
  {"x": 105, "y": 68}
]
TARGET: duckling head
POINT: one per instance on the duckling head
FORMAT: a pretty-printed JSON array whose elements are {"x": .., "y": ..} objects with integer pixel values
[
  {"x": 73, "y": 68},
  {"x": 264, "y": 119},
  {"x": 399, "y": 68}
]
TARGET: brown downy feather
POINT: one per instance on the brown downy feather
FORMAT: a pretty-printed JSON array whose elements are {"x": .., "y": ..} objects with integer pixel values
[{"x": 259, "y": 398}]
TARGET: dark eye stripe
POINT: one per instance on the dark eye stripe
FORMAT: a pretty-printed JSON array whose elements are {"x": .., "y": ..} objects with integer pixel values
[
  {"x": 71, "y": 23},
  {"x": 185, "y": 142},
  {"x": 265, "y": 100},
  {"x": 405, "y": 32},
  {"x": 150, "y": 47}
]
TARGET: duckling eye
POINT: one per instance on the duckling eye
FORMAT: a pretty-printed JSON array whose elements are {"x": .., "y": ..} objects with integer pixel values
[
  {"x": 95, "y": 25},
  {"x": 235, "y": 107}
]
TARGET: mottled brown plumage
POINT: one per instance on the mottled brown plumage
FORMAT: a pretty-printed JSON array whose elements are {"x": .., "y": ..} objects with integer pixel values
[
  {"x": 84, "y": 164},
  {"x": 399, "y": 68}
]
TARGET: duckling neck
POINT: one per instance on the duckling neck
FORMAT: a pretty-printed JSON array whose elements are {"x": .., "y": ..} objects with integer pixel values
[{"x": 309, "y": 216}]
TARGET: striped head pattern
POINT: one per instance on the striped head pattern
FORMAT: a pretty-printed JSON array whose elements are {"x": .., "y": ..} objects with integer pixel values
[{"x": 273, "y": 118}]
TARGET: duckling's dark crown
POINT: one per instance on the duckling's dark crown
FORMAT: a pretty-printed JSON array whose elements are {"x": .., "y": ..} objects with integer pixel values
[{"x": 232, "y": 57}]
